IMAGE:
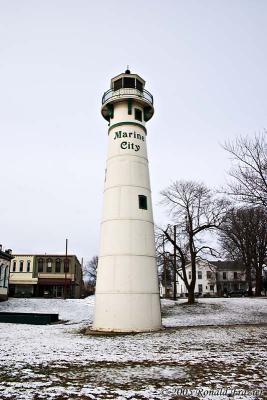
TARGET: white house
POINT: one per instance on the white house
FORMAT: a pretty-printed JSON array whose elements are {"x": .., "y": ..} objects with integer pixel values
[
  {"x": 205, "y": 279},
  {"x": 212, "y": 278},
  {"x": 230, "y": 276}
]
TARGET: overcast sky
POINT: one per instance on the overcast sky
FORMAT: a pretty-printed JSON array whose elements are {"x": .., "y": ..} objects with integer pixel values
[{"x": 204, "y": 61}]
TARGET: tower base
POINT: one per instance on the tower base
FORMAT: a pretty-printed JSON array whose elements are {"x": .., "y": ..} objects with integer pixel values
[{"x": 127, "y": 312}]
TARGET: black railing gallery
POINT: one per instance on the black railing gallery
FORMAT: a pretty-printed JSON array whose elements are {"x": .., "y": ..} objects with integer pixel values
[{"x": 124, "y": 92}]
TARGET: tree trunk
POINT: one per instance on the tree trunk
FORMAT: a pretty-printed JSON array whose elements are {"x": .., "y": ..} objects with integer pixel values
[
  {"x": 258, "y": 281},
  {"x": 250, "y": 292},
  {"x": 191, "y": 295},
  {"x": 248, "y": 278}
]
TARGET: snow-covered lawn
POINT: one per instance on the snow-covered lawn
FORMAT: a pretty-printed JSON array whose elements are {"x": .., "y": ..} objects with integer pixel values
[{"x": 217, "y": 344}]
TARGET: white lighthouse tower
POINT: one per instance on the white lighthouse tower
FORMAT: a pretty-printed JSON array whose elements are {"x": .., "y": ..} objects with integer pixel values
[{"x": 127, "y": 292}]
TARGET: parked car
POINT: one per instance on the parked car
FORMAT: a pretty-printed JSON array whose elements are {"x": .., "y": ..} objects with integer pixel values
[{"x": 237, "y": 293}]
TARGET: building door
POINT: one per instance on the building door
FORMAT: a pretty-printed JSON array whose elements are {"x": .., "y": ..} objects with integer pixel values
[{"x": 58, "y": 291}]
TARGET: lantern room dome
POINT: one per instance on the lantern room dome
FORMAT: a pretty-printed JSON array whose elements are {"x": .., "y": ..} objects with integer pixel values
[{"x": 127, "y": 86}]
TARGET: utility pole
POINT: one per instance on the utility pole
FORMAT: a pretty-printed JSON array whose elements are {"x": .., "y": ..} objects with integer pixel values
[
  {"x": 65, "y": 270},
  {"x": 81, "y": 280},
  {"x": 164, "y": 267},
  {"x": 174, "y": 265}
]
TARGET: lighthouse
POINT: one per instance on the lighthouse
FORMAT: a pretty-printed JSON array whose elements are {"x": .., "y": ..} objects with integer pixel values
[{"x": 127, "y": 290}]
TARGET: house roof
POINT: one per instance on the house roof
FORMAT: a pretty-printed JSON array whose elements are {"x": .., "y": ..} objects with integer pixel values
[{"x": 228, "y": 265}]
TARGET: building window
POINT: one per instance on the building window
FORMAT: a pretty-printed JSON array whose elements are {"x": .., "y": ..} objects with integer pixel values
[
  {"x": 189, "y": 275},
  {"x": 138, "y": 114},
  {"x": 212, "y": 288},
  {"x": 40, "y": 265},
  {"x": 21, "y": 266},
  {"x": 6, "y": 277},
  {"x": 49, "y": 265},
  {"x": 58, "y": 265},
  {"x": 66, "y": 266},
  {"x": 208, "y": 274},
  {"x": 235, "y": 275},
  {"x": 142, "y": 202},
  {"x": 28, "y": 266},
  {"x": 200, "y": 288},
  {"x": 110, "y": 110},
  {"x": 199, "y": 275},
  {"x": 14, "y": 266},
  {"x": 224, "y": 275}
]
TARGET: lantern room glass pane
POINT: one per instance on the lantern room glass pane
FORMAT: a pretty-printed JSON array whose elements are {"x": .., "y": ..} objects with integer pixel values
[
  {"x": 139, "y": 85},
  {"x": 118, "y": 84},
  {"x": 128, "y": 82}
]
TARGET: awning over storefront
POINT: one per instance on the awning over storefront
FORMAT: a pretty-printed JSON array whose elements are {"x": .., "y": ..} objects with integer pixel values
[
  {"x": 23, "y": 282},
  {"x": 54, "y": 282}
]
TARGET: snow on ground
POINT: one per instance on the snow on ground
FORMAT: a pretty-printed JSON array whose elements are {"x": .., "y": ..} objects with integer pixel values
[
  {"x": 207, "y": 351},
  {"x": 217, "y": 311}
]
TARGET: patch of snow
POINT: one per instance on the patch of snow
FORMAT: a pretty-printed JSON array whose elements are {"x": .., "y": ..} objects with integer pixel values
[{"x": 199, "y": 348}]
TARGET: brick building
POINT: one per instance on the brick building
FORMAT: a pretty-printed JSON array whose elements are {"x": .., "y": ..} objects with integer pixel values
[{"x": 46, "y": 275}]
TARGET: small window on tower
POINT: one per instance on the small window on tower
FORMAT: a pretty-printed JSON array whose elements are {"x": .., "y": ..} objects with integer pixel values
[
  {"x": 118, "y": 84},
  {"x": 138, "y": 114},
  {"x": 142, "y": 202}
]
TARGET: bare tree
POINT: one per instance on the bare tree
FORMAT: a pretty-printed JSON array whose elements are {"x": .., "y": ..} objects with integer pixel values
[
  {"x": 244, "y": 237},
  {"x": 196, "y": 211},
  {"x": 249, "y": 171},
  {"x": 90, "y": 270}
]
